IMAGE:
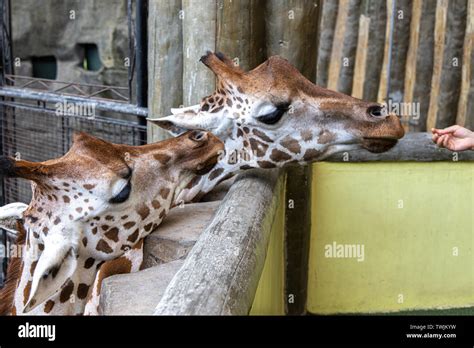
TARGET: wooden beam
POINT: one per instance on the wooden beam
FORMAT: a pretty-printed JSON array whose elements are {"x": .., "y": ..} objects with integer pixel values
[
  {"x": 337, "y": 45},
  {"x": 290, "y": 30},
  {"x": 239, "y": 33},
  {"x": 328, "y": 16},
  {"x": 377, "y": 12},
  {"x": 221, "y": 273},
  {"x": 463, "y": 117},
  {"x": 165, "y": 62},
  {"x": 383, "y": 87},
  {"x": 412, "y": 147},
  {"x": 439, "y": 37},
  {"x": 424, "y": 64},
  {"x": 411, "y": 62},
  {"x": 361, "y": 57},
  {"x": 451, "y": 72},
  {"x": 199, "y": 36}
]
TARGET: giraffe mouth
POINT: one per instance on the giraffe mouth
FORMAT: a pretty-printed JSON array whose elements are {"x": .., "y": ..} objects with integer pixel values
[
  {"x": 207, "y": 166},
  {"x": 378, "y": 145}
]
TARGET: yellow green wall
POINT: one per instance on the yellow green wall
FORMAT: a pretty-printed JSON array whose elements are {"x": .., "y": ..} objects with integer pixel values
[
  {"x": 409, "y": 217},
  {"x": 269, "y": 298}
]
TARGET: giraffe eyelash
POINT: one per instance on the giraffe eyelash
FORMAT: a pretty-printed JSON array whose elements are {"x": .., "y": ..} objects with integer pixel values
[
  {"x": 123, "y": 195},
  {"x": 274, "y": 116}
]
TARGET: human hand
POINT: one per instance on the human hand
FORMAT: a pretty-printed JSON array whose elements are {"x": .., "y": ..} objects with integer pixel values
[{"x": 454, "y": 138}]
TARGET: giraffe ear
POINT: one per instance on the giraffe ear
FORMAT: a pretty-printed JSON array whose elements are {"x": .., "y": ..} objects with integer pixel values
[
  {"x": 55, "y": 266},
  {"x": 11, "y": 168}
]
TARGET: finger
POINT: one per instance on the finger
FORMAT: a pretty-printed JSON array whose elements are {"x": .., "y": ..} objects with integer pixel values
[
  {"x": 446, "y": 141},
  {"x": 448, "y": 130},
  {"x": 439, "y": 142}
]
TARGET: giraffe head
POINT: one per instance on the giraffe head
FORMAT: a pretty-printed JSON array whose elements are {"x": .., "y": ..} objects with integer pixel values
[
  {"x": 92, "y": 205},
  {"x": 272, "y": 115}
]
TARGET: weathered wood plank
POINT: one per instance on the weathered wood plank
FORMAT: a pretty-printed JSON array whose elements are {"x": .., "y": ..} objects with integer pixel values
[
  {"x": 450, "y": 84},
  {"x": 465, "y": 118},
  {"x": 291, "y": 29},
  {"x": 361, "y": 57},
  {"x": 199, "y": 36},
  {"x": 221, "y": 273},
  {"x": 384, "y": 73},
  {"x": 413, "y": 147},
  {"x": 239, "y": 35},
  {"x": 346, "y": 74},
  {"x": 424, "y": 65},
  {"x": 411, "y": 62},
  {"x": 439, "y": 40},
  {"x": 328, "y": 16},
  {"x": 165, "y": 62},
  {"x": 401, "y": 38},
  {"x": 377, "y": 11},
  {"x": 337, "y": 45}
]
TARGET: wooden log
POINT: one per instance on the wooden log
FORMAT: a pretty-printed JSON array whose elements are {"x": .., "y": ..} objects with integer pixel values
[
  {"x": 221, "y": 273},
  {"x": 349, "y": 47},
  {"x": 290, "y": 30},
  {"x": 401, "y": 38},
  {"x": 384, "y": 73},
  {"x": 439, "y": 34},
  {"x": 451, "y": 73},
  {"x": 291, "y": 27},
  {"x": 447, "y": 71},
  {"x": 377, "y": 12},
  {"x": 412, "y": 147},
  {"x": 424, "y": 65},
  {"x": 465, "y": 116},
  {"x": 411, "y": 63},
  {"x": 199, "y": 36},
  {"x": 165, "y": 62},
  {"x": 337, "y": 45},
  {"x": 328, "y": 16},
  {"x": 241, "y": 31},
  {"x": 361, "y": 57}
]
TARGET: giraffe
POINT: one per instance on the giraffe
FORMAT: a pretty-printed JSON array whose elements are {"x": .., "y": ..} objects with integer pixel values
[
  {"x": 89, "y": 213},
  {"x": 272, "y": 116}
]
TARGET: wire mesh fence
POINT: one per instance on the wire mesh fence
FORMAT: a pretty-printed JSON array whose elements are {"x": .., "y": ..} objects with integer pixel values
[{"x": 37, "y": 132}]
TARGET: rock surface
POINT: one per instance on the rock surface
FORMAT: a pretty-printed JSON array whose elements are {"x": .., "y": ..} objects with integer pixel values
[
  {"x": 177, "y": 234},
  {"x": 136, "y": 293}
]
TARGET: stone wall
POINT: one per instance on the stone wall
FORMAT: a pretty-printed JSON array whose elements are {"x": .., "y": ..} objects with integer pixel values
[{"x": 58, "y": 28}]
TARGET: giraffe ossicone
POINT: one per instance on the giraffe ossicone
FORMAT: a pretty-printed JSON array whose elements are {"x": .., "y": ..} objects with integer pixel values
[
  {"x": 89, "y": 213},
  {"x": 272, "y": 116}
]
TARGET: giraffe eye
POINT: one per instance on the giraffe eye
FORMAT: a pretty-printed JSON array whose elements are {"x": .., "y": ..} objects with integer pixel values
[
  {"x": 274, "y": 116},
  {"x": 123, "y": 195}
]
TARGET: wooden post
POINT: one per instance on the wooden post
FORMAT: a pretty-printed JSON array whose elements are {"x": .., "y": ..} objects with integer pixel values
[
  {"x": 241, "y": 31},
  {"x": 465, "y": 115},
  {"x": 377, "y": 12},
  {"x": 411, "y": 64},
  {"x": 424, "y": 64},
  {"x": 290, "y": 29},
  {"x": 165, "y": 61},
  {"x": 447, "y": 73},
  {"x": 337, "y": 45},
  {"x": 328, "y": 16},
  {"x": 199, "y": 36},
  {"x": 383, "y": 87},
  {"x": 361, "y": 57}
]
